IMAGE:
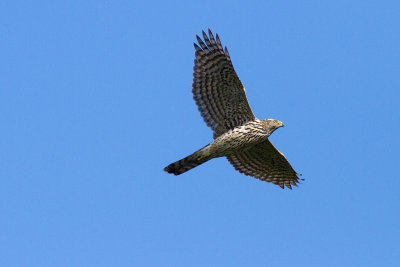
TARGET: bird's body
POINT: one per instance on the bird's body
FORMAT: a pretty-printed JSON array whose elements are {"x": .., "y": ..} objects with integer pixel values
[
  {"x": 238, "y": 134},
  {"x": 239, "y": 138}
]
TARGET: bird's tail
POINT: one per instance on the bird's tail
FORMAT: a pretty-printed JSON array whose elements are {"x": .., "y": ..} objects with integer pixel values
[{"x": 185, "y": 164}]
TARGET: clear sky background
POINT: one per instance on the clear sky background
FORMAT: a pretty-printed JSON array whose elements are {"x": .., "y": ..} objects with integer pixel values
[{"x": 95, "y": 100}]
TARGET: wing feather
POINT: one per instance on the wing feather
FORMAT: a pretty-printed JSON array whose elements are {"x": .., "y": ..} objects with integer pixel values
[
  {"x": 217, "y": 90},
  {"x": 265, "y": 162}
]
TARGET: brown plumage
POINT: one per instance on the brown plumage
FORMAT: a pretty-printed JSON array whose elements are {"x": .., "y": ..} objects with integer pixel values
[{"x": 239, "y": 135}]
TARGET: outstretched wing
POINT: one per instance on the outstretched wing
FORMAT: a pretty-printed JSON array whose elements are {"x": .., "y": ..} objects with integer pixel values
[
  {"x": 217, "y": 90},
  {"x": 265, "y": 162}
]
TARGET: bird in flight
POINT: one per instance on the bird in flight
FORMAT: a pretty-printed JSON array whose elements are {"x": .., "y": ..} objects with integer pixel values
[{"x": 238, "y": 135}]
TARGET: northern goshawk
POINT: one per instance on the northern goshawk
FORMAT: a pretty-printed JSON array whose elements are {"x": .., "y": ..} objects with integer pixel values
[{"x": 238, "y": 134}]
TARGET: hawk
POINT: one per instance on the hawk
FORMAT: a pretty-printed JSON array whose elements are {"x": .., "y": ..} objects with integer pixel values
[{"x": 238, "y": 134}]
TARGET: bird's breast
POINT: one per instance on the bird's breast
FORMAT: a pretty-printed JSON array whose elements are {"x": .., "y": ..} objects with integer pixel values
[{"x": 239, "y": 138}]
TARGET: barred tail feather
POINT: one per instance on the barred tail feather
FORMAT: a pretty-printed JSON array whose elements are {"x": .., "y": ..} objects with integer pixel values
[{"x": 188, "y": 163}]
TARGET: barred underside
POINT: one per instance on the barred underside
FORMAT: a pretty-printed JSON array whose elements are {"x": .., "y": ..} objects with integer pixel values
[
  {"x": 265, "y": 162},
  {"x": 217, "y": 90},
  {"x": 222, "y": 102}
]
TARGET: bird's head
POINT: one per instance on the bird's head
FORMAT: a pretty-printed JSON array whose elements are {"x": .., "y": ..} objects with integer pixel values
[{"x": 272, "y": 124}]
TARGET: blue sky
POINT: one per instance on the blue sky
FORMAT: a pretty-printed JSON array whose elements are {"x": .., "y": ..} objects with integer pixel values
[{"x": 95, "y": 99}]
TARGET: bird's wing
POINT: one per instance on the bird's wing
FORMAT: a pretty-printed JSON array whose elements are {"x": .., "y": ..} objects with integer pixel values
[
  {"x": 265, "y": 162},
  {"x": 217, "y": 90}
]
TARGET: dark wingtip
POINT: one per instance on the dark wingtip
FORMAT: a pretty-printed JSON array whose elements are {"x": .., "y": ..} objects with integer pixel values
[
  {"x": 197, "y": 47},
  {"x": 198, "y": 38},
  {"x": 299, "y": 174}
]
